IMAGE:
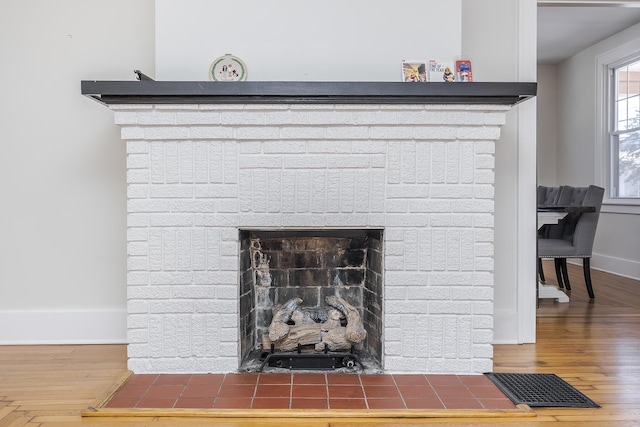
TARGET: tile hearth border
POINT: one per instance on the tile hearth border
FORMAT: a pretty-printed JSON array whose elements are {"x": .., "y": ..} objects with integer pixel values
[{"x": 498, "y": 405}]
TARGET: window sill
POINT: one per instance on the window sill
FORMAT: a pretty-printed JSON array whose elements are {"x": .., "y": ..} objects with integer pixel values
[{"x": 620, "y": 208}]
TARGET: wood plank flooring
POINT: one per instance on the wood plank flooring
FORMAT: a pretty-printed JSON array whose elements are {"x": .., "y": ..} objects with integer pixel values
[{"x": 595, "y": 346}]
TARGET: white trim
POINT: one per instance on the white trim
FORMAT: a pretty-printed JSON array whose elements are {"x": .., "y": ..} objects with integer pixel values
[
  {"x": 602, "y": 152},
  {"x": 505, "y": 329},
  {"x": 583, "y": 3},
  {"x": 632, "y": 209},
  {"x": 618, "y": 266},
  {"x": 527, "y": 178},
  {"x": 63, "y": 327}
]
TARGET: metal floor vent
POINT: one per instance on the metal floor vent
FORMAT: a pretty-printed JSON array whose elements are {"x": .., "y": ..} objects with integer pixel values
[{"x": 540, "y": 390}]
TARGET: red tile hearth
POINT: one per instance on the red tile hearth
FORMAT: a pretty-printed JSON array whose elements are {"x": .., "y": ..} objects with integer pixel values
[{"x": 309, "y": 391}]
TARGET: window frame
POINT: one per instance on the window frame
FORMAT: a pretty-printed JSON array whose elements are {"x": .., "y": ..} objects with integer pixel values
[
  {"x": 615, "y": 132},
  {"x": 605, "y": 103}
]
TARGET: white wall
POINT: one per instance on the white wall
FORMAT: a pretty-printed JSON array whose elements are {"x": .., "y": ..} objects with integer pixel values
[
  {"x": 547, "y": 125},
  {"x": 616, "y": 248},
  {"x": 62, "y": 167},
  {"x": 289, "y": 40}
]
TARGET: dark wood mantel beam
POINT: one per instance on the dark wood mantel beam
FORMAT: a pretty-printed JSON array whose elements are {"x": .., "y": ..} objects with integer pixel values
[{"x": 165, "y": 92}]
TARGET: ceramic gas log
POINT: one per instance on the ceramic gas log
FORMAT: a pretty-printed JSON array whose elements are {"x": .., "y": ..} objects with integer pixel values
[{"x": 336, "y": 329}]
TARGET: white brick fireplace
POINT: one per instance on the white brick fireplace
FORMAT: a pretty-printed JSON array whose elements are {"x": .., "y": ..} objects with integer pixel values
[
  {"x": 199, "y": 173},
  {"x": 396, "y": 178}
]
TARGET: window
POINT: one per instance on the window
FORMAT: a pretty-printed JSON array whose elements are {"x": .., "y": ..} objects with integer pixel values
[{"x": 624, "y": 131}]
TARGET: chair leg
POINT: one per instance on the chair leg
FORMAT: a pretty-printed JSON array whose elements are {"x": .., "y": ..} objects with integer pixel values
[
  {"x": 586, "y": 267},
  {"x": 540, "y": 270},
  {"x": 556, "y": 262},
  {"x": 565, "y": 273}
]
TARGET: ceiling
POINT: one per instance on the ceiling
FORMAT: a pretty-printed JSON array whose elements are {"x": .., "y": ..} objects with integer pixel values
[{"x": 568, "y": 27}]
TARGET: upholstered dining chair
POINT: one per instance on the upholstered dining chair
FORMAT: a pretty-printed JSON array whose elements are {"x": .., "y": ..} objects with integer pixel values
[
  {"x": 574, "y": 235},
  {"x": 549, "y": 197}
]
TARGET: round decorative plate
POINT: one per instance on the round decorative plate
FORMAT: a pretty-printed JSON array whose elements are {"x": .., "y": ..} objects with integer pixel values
[{"x": 228, "y": 68}]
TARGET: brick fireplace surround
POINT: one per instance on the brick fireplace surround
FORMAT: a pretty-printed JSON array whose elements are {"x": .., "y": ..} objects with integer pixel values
[{"x": 197, "y": 173}]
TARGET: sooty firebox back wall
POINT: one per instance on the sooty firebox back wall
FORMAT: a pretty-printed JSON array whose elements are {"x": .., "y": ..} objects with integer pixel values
[{"x": 310, "y": 264}]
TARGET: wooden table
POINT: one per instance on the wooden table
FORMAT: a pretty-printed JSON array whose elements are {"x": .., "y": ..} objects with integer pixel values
[{"x": 547, "y": 215}]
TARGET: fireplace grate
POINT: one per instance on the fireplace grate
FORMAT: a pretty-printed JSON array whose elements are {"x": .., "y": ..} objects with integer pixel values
[{"x": 311, "y": 361}]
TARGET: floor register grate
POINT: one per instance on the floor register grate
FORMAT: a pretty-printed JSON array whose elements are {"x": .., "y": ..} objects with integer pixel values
[{"x": 540, "y": 390}]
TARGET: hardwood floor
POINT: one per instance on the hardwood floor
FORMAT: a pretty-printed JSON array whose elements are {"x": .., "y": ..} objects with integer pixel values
[{"x": 595, "y": 346}]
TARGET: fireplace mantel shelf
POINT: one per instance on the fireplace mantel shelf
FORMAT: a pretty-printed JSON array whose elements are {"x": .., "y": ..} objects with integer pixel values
[{"x": 192, "y": 92}]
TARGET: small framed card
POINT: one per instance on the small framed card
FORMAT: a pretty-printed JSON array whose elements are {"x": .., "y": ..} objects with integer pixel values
[
  {"x": 441, "y": 71},
  {"x": 463, "y": 70},
  {"x": 414, "y": 71}
]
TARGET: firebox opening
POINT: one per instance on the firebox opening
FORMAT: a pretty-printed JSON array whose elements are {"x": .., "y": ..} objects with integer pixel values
[{"x": 327, "y": 275}]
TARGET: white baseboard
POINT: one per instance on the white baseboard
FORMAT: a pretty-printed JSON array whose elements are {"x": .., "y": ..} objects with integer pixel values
[
  {"x": 618, "y": 266},
  {"x": 98, "y": 326},
  {"x": 505, "y": 327}
]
